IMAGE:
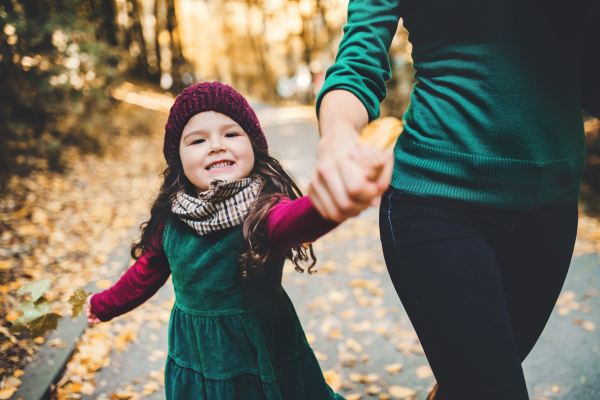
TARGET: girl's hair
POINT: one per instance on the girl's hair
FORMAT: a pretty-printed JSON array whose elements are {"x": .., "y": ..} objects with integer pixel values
[{"x": 275, "y": 183}]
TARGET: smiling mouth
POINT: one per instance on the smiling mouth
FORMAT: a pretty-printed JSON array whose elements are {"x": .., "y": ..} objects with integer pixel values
[{"x": 219, "y": 166}]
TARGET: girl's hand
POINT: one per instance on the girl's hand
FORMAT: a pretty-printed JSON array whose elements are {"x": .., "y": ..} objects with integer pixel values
[{"x": 92, "y": 319}]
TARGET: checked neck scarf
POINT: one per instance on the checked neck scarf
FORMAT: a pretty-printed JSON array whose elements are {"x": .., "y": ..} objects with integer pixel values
[{"x": 223, "y": 205}]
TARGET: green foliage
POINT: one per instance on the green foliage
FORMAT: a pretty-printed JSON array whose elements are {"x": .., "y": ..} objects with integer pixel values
[
  {"x": 36, "y": 288},
  {"x": 77, "y": 300},
  {"x": 58, "y": 63},
  {"x": 37, "y": 316},
  {"x": 37, "y": 312}
]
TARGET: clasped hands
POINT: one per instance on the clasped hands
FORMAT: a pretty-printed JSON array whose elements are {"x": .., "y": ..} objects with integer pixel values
[{"x": 348, "y": 177}]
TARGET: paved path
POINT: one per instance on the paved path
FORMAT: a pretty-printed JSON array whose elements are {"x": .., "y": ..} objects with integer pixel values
[{"x": 352, "y": 314}]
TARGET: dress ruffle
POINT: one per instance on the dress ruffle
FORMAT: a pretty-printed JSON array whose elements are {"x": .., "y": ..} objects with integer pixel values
[
  {"x": 300, "y": 379},
  {"x": 250, "y": 355}
]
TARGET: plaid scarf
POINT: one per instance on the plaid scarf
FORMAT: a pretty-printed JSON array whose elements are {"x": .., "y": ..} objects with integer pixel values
[{"x": 223, "y": 205}]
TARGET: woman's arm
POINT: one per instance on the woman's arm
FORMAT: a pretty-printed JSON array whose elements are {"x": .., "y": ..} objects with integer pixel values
[
  {"x": 590, "y": 67},
  {"x": 354, "y": 86},
  {"x": 292, "y": 223},
  {"x": 141, "y": 281}
]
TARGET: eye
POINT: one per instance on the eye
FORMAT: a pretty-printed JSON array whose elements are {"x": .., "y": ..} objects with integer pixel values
[
  {"x": 198, "y": 141},
  {"x": 232, "y": 134}
]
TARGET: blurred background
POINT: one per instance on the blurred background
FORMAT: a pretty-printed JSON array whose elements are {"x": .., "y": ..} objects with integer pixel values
[{"x": 85, "y": 91}]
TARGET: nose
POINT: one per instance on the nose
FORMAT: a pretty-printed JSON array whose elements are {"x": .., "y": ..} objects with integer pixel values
[{"x": 216, "y": 146}]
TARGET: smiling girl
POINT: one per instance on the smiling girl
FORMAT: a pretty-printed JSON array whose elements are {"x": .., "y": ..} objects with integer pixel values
[{"x": 226, "y": 218}]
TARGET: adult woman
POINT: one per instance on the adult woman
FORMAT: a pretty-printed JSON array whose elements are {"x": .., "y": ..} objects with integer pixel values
[{"x": 479, "y": 223}]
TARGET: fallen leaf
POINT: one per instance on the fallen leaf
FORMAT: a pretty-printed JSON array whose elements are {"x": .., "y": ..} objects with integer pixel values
[
  {"x": 401, "y": 392},
  {"x": 363, "y": 326},
  {"x": 104, "y": 284},
  {"x": 18, "y": 373},
  {"x": 353, "y": 345},
  {"x": 371, "y": 378},
  {"x": 394, "y": 368},
  {"x": 7, "y": 393},
  {"x": 57, "y": 342},
  {"x": 424, "y": 372},
  {"x": 150, "y": 388},
  {"x": 384, "y": 396},
  {"x": 10, "y": 317},
  {"x": 354, "y": 396},
  {"x": 320, "y": 356},
  {"x": 555, "y": 388},
  {"x": 36, "y": 288},
  {"x": 310, "y": 337},
  {"x": 347, "y": 315},
  {"x": 336, "y": 297},
  {"x": 372, "y": 390},
  {"x": 12, "y": 382},
  {"x": 588, "y": 326},
  {"x": 347, "y": 359},
  {"x": 333, "y": 379}
]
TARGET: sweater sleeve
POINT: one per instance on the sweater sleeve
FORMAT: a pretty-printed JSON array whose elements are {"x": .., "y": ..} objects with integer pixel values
[
  {"x": 141, "y": 281},
  {"x": 361, "y": 64},
  {"x": 590, "y": 67},
  {"x": 292, "y": 223}
]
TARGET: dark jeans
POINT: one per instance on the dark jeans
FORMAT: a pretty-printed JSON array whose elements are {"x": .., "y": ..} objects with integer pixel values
[{"x": 478, "y": 284}]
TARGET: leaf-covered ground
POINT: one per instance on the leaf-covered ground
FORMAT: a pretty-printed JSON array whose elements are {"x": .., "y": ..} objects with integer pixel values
[{"x": 63, "y": 226}]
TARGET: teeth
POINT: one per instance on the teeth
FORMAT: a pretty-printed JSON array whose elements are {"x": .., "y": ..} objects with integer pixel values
[{"x": 220, "y": 165}]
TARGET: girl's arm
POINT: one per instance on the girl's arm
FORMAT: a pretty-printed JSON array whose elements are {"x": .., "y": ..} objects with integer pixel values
[
  {"x": 141, "y": 281},
  {"x": 292, "y": 223}
]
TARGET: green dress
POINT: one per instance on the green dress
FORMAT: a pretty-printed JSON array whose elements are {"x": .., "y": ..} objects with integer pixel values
[{"x": 231, "y": 338}]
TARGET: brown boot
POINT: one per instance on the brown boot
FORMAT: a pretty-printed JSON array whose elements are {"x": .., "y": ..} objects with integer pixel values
[{"x": 431, "y": 395}]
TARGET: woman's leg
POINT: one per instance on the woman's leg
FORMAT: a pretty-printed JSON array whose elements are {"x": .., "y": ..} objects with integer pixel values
[
  {"x": 534, "y": 267},
  {"x": 444, "y": 268}
]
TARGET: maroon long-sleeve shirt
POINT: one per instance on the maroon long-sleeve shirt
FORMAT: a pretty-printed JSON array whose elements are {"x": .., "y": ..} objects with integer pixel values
[{"x": 289, "y": 224}]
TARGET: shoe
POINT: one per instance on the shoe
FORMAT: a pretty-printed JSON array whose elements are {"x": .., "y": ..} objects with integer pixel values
[{"x": 433, "y": 392}]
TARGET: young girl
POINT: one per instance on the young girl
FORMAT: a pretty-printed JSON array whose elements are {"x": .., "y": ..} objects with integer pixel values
[{"x": 226, "y": 218}]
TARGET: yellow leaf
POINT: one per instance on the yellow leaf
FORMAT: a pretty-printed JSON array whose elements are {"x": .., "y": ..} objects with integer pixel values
[
  {"x": 588, "y": 326},
  {"x": 555, "y": 388},
  {"x": 151, "y": 387},
  {"x": 320, "y": 356},
  {"x": 394, "y": 368},
  {"x": 347, "y": 315},
  {"x": 18, "y": 373},
  {"x": 4, "y": 289},
  {"x": 5, "y": 264},
  {"x": 384, "y": 396},
  {"x": 310, "y": 337},
  {"x": 7, "y": 393},
  {"x": 352, "y": 344},
  {"x": 10, "y": 317},
  {"x": 372, "y": 389},
  {"x": 424, "y": 372},
  {"x": 39, "y": 340},
  {"x": 104, "y": 284},
  {"x": 354, "y": 396},
  {"x": 401, "y": 392}
]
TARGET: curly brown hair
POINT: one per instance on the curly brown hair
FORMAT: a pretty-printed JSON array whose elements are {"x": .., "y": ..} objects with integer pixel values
[{"x": 275, "y": 184}]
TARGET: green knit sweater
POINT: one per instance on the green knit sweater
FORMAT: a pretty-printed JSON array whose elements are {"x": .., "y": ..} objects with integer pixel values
[{"x": 495, "y": 118}]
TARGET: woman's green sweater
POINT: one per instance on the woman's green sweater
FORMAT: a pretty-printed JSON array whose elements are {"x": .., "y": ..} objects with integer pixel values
[{"x": 495, "y": 117}]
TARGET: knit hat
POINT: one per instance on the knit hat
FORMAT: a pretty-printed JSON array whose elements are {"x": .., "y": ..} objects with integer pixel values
[{"x": 209, "y": 96}]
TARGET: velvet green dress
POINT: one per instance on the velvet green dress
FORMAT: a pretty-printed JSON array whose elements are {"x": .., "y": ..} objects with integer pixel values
[{"x": 231, "y": 338}]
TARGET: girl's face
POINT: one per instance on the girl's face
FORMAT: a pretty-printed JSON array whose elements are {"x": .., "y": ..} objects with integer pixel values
[{"x": 213, "y": 146}]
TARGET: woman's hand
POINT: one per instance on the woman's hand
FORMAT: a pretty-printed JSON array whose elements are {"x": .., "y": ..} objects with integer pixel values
[
  {"x": 348, "y": 179},
  {"x": 92, "y": 319}
]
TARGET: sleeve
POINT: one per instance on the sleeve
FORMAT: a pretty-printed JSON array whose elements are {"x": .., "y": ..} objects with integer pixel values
[
  {"x": 292, "y": 223},
  {"x": 141, "y": 281},
  {"x": 362, "y": 65},
  {"x": 590, "y": 67}
]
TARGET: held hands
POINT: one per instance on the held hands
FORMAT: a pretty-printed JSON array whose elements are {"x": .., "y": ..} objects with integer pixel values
[
  {"x": 348, "y": 178},
  {"x": 92, "y": 319}
]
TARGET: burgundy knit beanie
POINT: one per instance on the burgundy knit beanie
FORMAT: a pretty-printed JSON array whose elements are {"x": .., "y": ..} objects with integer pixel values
[{"x": 209, "y": 96}]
